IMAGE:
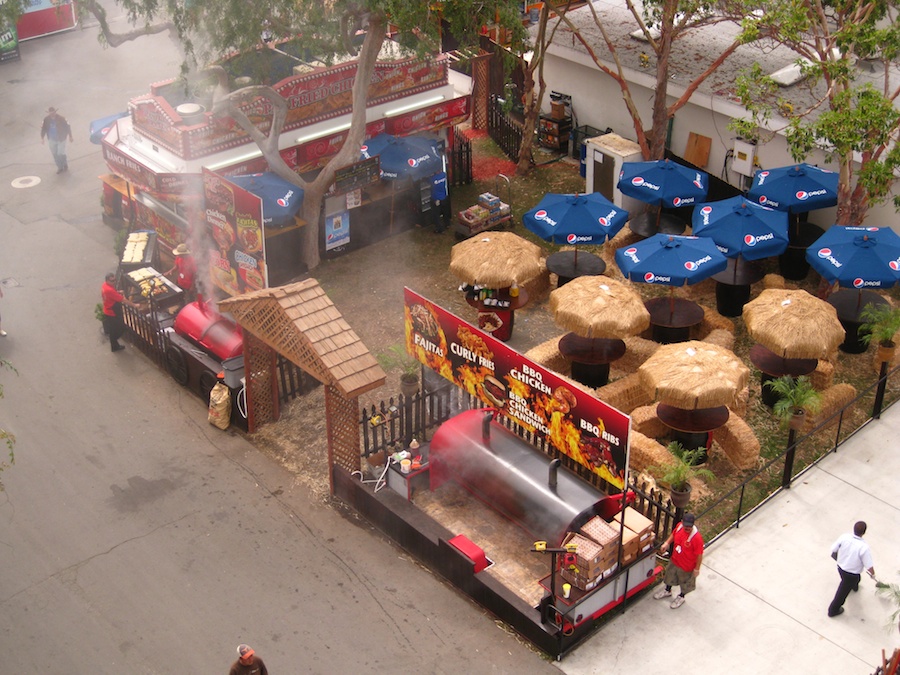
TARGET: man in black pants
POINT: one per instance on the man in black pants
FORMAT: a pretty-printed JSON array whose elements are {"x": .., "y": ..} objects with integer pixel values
[{"x": 853, "y": 556}]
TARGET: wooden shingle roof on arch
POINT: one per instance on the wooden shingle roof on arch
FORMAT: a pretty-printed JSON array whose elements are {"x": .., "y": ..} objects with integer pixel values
[{"x": 300, "y": 322}]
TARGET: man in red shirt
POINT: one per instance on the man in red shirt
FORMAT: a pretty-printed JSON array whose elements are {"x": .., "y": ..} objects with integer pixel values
[
  {"x": 684, "y": 567},
  {"x": 113, "y": 323},
  {"x": 186, "y": 268}
]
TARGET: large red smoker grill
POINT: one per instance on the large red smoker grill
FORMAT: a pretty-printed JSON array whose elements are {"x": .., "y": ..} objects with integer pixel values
[{"x": 219, "y": 336}]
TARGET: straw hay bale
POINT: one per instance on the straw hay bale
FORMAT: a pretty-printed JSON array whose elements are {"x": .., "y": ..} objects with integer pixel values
[
  {"x": 547, "y": 354},
  {"x": 637, "y": 350},
  {"x": 625, "y": 394},
  {"x": 823, "y": 376},
  {"x": 646, "y": 452},
  {"x": 773, "y": 281},
  {"x": 833, "y": 399},
  {"x": 645, "y": 420},
  {"x": 712, "y": 320},
  {"x": 720, "y": 337},
  {"x": 876, "y": 362},
  {"x": 539, "y": 285},
  {"x": 741, "y": 400},
  {"x": 702, "y": 289},
  {"x": 738, "y": 443}
]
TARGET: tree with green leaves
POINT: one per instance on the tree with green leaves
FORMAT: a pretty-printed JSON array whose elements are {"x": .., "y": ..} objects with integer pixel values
[
  {"x": 664, "y": 23},
  {"x": 330, "y": 31},
  {"x": 847, "y": 51}
]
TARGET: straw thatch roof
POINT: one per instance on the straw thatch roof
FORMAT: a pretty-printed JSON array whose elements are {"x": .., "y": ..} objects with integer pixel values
[
  {"x": 495, "y": 260},
  {"x": 694, "y": 374},
  {"x": 793, "y": 324},
  {"x": 599, "y": 307}
]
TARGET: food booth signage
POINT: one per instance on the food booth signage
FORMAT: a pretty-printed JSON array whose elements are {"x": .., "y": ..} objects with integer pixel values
[
  {"x": 234, "y": 221},
  {"x": 577, "y": 424}
]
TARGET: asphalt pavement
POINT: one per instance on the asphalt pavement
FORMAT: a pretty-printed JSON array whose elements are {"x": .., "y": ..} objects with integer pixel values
[
  {"x": 134, "y": 536},
  {"x": 762, "y": 595}
]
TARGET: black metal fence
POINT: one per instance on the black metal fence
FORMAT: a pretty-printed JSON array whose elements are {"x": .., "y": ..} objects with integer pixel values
[
  {"x": 459, "y": 159},
  {"x": 504, "y": 131}
]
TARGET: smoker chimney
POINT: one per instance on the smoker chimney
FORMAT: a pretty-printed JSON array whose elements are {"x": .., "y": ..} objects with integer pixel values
[
  {"x": 486, "y": 424},
  {"x": 553, "y": 470}
]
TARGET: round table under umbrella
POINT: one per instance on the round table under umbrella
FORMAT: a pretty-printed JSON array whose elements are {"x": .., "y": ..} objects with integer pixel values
[
  {"x": 498, "y": 261},
  {"x": 795, "y": 189},
  {"x": 575, "y": 219},
  {"x": 860, "y": 258},
  {"x": 671, "y": 260},
  {"x": 661, "y": 183},
  {"x": 598, "y": 311},
  {"x": 793, "y": 330},
  {"x": 743, "y": 231},
  {"x": 694, "y": 383}
]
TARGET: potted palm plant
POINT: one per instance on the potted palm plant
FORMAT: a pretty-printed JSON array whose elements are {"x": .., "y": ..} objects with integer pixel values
[
  {"x": 797, "y": 396},
  {"x": 880, "y": 324},
  {"x": 678, "y": 473},
  {"x": 397, "y": 358}
]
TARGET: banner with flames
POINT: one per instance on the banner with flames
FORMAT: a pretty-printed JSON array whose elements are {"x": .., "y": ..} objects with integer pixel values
[{"x": 574, "y": 421}]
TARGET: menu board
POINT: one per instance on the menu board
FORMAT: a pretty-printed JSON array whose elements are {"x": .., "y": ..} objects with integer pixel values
[
  {"x": 357, "y": 175},
  {"x": 574, "y": 421}
]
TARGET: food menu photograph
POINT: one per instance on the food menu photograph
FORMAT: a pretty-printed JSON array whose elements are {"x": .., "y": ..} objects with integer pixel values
[{"x": 574, "y": 421}]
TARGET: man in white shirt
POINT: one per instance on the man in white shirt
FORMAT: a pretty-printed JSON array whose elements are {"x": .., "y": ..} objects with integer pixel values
[{"x": 853, "y": 556}]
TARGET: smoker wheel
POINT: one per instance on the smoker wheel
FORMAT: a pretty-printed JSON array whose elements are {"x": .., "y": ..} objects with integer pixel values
[
  {"x": 207, "y": 382},
  {"x": 177, "y": 364}
]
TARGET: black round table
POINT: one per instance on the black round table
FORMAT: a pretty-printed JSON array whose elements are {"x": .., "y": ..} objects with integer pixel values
[
  {"x": 733, "y": 285},
  {"x": 671, "y": 319},
  {"x": 568, "y": 265},
  {"x": 692, "y": 427},
  {"x": 646, "y": 225},
  {"x": 495, "y": 319},
  {"x": 849, "y": 305},
  {"x": 772, "y": 366},
  {"x": 590, "y": 357}
]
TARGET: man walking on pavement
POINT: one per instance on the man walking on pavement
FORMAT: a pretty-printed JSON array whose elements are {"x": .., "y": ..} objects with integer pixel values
[
  {"x": 853, "y": 556},
  {"x": 56, "y": 129},
  {"x": 248, "y": 663},
  {"x": 684, "y": 566}
]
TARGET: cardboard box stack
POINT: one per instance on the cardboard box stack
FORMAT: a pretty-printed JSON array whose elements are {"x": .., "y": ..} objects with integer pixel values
[
  {"x": 474, "y": 216},
  {"x": 638, "y": 535},
  {"x": 597, "y": 547},
  {"x": 491, "y": 202}
]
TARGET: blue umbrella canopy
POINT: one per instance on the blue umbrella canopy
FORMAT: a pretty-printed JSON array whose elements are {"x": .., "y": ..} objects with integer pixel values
[
  {"x": 663, "y": 183},
  {"x": 99, "y": 128},
  {"x": 671, "y": 260},
  {"x": 857, "y": 257},
  {"x": 575, "y": 219},
  {"x": 404, "y": 156},
  {"x": 742, "y": 228},
  {"x": 281, "y": 200},
  {"x": 797, "y": 188}
]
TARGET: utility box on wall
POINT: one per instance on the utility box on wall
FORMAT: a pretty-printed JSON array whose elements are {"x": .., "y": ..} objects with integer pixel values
[{"x": 603, "y": 161}]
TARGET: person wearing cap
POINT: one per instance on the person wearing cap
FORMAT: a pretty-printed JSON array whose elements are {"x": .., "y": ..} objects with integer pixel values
[
  {"x": 440, "y": 202},
  {"x": 684, "y": 566},
  {"x": 248, "y": 663},
  {"x": 56, "y": 130},
  {"x": 186, "y": 269},
  {"x": 113, "y": 324}
]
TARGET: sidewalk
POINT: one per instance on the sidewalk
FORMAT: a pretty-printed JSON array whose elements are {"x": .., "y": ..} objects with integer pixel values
[{"x": 761, "y": 599}]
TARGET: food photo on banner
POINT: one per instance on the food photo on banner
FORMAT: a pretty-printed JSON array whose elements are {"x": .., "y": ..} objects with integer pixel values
[{"x": 579, "y": 425}]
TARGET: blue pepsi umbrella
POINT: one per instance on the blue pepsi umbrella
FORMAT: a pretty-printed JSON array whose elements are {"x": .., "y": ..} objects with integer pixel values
[
  {"x": 671, "y": 260},
  {"x": 404, "y": 156},
  {"x": 575, "y": 219},
  {"x": 99, "y": 128},
  {"x": 742, "y": 228},
  {"x": 281, "y": 200},
  {"x": 797, "y": 188},
  {"x": 857, "y": 257},
  {"x": 663, "y": 183}
]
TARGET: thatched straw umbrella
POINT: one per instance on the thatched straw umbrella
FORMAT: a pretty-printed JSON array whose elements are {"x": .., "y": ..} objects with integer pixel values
[
  {"x": 495, "y": 260},
  {"x": 599, "y": 311},
  {"x": 691, "y": 375},
  {"x": 793, "y": 324},
  {"x": 599, "y": 307}
]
